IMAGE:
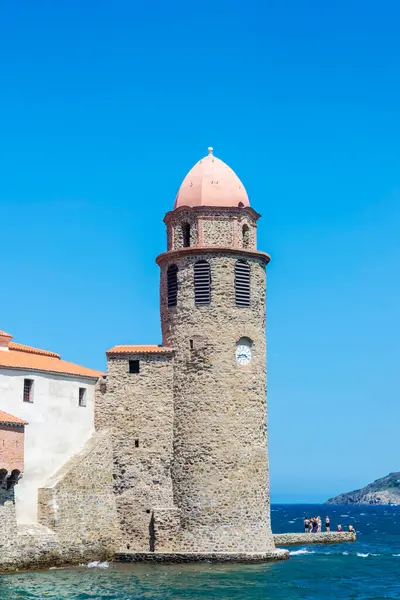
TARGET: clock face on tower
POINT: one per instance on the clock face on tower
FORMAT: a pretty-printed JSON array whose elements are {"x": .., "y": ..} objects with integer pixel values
[{"x": 243, "y": 352}]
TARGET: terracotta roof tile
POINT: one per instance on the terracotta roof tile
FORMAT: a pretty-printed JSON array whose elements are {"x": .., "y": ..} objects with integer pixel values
[
  {"x": 143, "y": 349},
  {"x": 20, "y": 356},
  {"x": 7, "y": 418},
  {"x": 23, "y": 348},
  {"x": 4, "y": 334}
]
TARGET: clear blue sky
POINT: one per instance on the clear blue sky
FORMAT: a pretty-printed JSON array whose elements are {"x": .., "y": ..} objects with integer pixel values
[{"x": 104, "y": 108}]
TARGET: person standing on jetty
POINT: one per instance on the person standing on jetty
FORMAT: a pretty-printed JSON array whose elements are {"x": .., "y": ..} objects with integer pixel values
[
  {"x": 314, "y": 523},
  {"x": 327, "y": 524},
  {"x": 306, "y": 525}
]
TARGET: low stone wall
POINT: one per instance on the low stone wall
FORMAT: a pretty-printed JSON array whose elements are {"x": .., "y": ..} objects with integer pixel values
[
  {"x": 304, "y": 539},
  {"x": 78, "y": 503},
  {"x": 200, "y": 557},
  {"x": 77, "y": 513}
]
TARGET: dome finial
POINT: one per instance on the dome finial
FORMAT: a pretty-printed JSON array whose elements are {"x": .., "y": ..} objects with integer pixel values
[{"x": 210, "y": 150}]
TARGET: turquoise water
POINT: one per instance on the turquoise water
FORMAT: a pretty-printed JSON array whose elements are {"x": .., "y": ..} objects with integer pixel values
[{"x": 367, "y": 570}]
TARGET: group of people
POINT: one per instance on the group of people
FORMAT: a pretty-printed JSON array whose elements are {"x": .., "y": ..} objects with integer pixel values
[{"x": 314, "y": 525}]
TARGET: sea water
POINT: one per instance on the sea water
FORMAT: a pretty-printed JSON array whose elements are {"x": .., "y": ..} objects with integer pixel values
[{"x": 366, "y": 570}]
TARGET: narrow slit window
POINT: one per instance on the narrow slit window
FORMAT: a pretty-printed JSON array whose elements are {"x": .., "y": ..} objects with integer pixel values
[
  {"x": 82, "y": 396},
  {"x": 242, "y": 283},
  {"x": 186, "y": 235},
  {"x": 172, "y": 286},
  {"x": 28, "y": 390},
  {"x": 134, "y": 366},
  {"x": 136, "y": 443},
  {"x": 202, "y": 282}
]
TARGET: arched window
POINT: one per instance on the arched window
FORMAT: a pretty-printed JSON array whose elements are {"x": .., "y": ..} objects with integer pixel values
[
  {"x": 172, "y": 285},
  {"x": 13, "y": 478},
  {"x": 242, "y": 283},
  {"x": 246, "y": 236},
  {"x": 202, "y": 282},
  {"x": 186, "y": 235}
]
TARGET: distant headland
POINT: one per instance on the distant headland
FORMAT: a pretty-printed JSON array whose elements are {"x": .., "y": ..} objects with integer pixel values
[{"x": 382, "y": 491}]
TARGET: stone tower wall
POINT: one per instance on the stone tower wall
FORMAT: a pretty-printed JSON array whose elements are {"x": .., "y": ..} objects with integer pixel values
[
  {"x": 221, "y": 227},
  {"x": 220, "y": 469},
  {"x": 137, "y": 408}
]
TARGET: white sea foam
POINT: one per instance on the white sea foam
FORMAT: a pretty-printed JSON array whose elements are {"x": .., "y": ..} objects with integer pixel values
[
  {"x": 291, "y": 521},
  {"x": 345, "y": 553},
  {"x": 301, "y": 551},
  {"x": 395, "y": 554},
  {"x": 344, "y": 515},
  {"x": 362, "y": 555},
  {"x": 362, "y": 514},
  {"x": 98, "y": 564}
]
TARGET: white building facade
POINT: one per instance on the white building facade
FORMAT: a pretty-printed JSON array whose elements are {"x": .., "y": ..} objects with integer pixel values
[{"x": 56, "y": 398}]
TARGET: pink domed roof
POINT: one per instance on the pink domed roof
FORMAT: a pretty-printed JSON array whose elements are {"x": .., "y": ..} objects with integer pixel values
[{"x": 211, "y": 183}]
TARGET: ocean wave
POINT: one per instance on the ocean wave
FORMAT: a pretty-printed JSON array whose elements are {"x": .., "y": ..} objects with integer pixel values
[
  {"x": 98, "y": 564},
  {"x": 366, "y": 554},
  {"x": 301, "y": 551},
  {"x": 395, "y": 554}
]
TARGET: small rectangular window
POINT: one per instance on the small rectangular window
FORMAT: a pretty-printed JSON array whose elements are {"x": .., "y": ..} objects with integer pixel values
[
  {"x": 28, "y": 390},
  {"x": 82, "y": 396},
  {"x": 136, "y": 443},
  {"x": 134, "y": 366},
  {"x": 191, "y": 344}
]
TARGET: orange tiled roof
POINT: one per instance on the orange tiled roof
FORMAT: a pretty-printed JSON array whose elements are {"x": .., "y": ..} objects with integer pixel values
[
  {"x": 20, "y": 356},
  {"x": 23, "y": 348},
  {"x": 7, "y": 418},
  {"x": 4, "y": 334},
  {"x": 144, "y": 349}
]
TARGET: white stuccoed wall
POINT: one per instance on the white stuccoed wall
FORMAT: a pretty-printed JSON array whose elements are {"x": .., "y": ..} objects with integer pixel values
[{"x": 58, "y": 427}]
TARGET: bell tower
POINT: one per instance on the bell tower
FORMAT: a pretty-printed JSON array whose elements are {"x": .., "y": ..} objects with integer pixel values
[{"x": 213, "y": 298}]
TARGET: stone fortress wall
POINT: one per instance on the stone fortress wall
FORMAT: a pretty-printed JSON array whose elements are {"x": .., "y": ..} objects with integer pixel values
[{"x": 138, "y": 410}]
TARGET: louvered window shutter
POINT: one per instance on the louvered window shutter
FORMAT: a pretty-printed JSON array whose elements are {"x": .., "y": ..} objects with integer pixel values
[
  {"x": 202, "y": 282},
  {"x": 172, "y": 285},
  {"x": 242, "y": 283}
]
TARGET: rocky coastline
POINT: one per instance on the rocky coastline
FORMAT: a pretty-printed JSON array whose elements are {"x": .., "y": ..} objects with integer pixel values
[{"x": 384, "y": 491}]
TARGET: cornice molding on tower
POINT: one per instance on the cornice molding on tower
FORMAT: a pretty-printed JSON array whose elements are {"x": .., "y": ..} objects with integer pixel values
[
  {"x": 171, "y": 254},
  {"x": 232, "y": 211}
]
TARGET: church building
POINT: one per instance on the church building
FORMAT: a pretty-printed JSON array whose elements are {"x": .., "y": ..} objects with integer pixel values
[{"x": 188, "y": 417}]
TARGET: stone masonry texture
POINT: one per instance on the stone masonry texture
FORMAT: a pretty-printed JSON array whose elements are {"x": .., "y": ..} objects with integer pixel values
[
  {"x": 78, "y": 502},
  {"x": 138, "y": 410},
  {"x": 220, "y": 467},
  {"x": 304, "y": 539},
  {"x": 221, "y": 227}
]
